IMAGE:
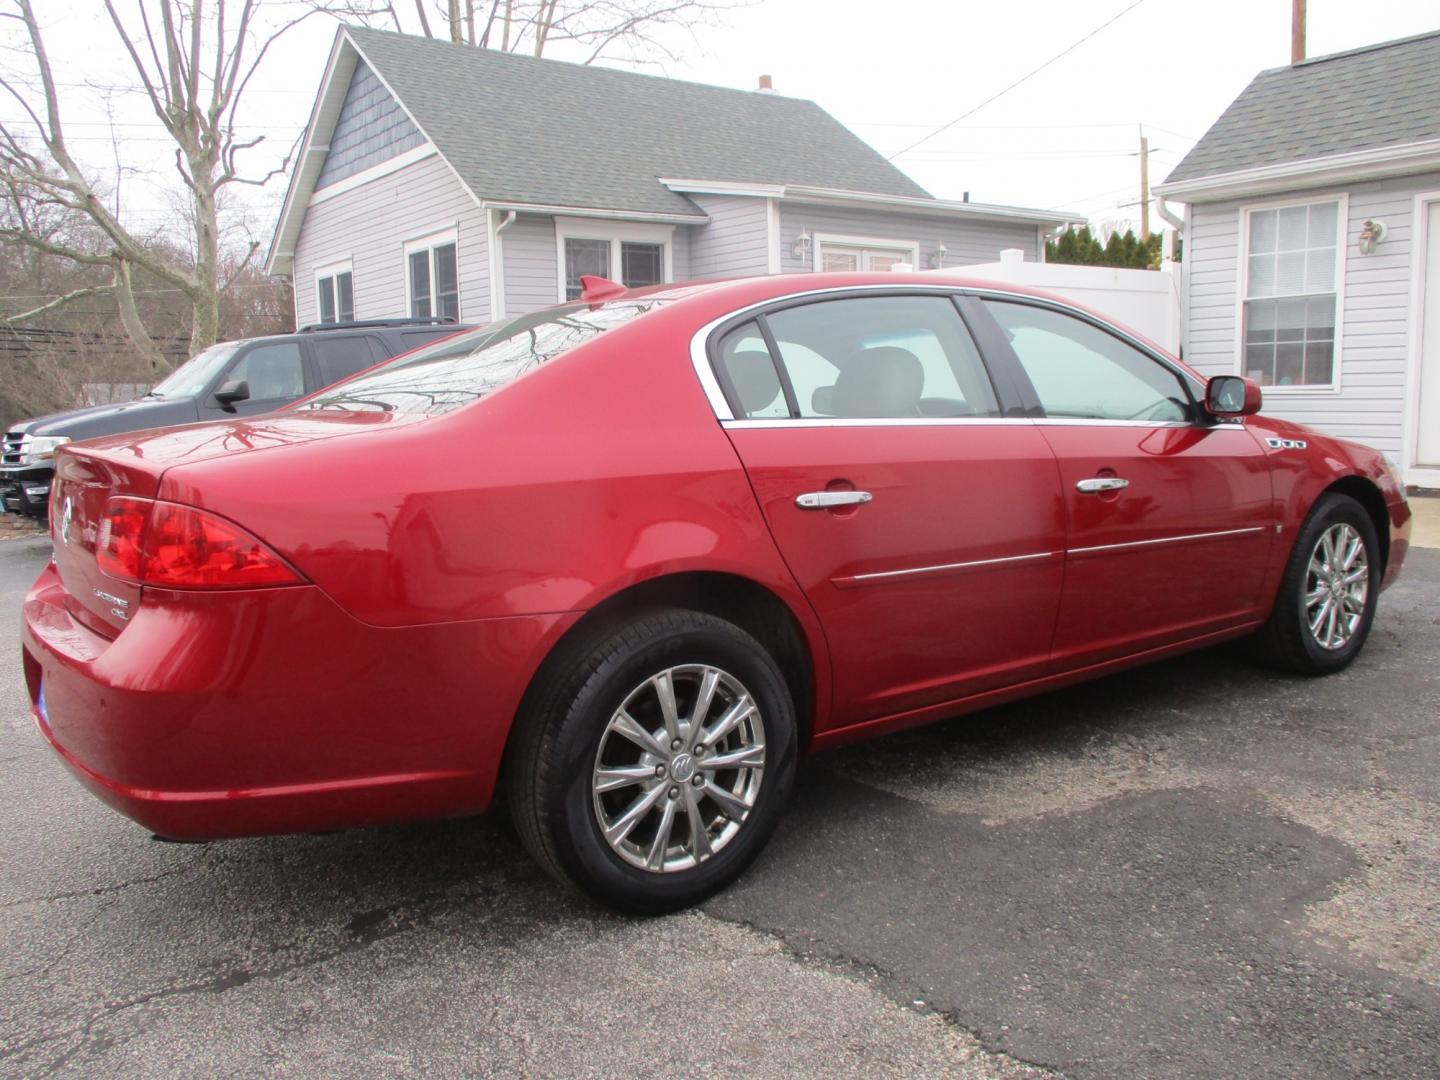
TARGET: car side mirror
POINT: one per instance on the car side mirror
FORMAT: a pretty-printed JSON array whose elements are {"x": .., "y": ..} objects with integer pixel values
[
  {"x": 1232, "y": 395},
  {"x": 231, "y": 392}
]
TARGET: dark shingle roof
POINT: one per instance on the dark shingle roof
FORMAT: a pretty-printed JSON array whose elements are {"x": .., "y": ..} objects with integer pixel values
[
  {"x": 1381, "y": 95},
  {"x": 542, "y": 131}
]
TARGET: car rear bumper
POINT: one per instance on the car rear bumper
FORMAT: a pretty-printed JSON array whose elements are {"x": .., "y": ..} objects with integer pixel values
[{"x": 273, "y": 710}]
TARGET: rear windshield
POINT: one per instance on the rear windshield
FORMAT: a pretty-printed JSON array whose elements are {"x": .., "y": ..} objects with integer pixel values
[{"x": 437, "y": 378}]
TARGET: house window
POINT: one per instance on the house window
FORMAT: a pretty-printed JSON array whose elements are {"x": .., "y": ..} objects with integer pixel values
[
  {"x": 633, "y": 254},
  {"x": 433, "y": 277},
  {"x": 335, "y": 294},
  {"x": 1292, "y": 267},
  {"x": 845, "y": 254}
]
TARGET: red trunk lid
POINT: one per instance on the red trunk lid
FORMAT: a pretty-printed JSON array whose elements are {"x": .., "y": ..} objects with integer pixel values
[{"x": 89, "y": 474}]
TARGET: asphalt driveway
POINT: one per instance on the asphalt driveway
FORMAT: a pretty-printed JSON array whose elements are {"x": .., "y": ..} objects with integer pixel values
[{"x": 1199, "y": 869}]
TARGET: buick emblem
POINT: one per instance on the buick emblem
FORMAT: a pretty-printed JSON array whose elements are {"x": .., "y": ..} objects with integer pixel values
[{"x": 66, "y": 515}]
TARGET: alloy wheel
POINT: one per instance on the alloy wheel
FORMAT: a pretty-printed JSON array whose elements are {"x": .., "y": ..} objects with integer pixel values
[
  {"x": 679, "y": 768},
  {"x": 1337, "y": 586}
]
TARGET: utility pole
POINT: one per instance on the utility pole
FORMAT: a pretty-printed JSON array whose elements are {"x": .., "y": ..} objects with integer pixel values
[
  {"x": 1297, "y": 31},
  {"x": 1145, "y": 180}
]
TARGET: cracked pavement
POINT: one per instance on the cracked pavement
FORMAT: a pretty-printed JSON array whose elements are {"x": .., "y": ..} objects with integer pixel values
[{"x": 1197, "y": 869}]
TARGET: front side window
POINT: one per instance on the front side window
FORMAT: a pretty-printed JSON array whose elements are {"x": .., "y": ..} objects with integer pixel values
[
  {"x": 463, "y": 368},
  {"x": 879, "y": 357},
  {"x": 1082, "y": 372},
  {"x": 335, "y": 296},
  {"x": 273, "y": 372},
  {"x": 1291, "y": 268},
  {"x": 434, "y": 280}
]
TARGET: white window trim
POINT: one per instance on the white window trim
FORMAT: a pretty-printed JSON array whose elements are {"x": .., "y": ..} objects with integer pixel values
[
  {"x": 821, "y": 239},
  {"x": 1410, "y": 427},
  {"x": 429, "y": 242},
  {"x": 345, "y": 266},
  {"x": 616, "y": 232},
  {"x": 1242, "y": 277}
]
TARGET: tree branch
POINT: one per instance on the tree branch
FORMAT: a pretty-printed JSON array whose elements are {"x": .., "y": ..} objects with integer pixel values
[{"x": 58, "y": 302}]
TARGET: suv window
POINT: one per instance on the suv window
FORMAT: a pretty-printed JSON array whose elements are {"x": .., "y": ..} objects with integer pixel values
[
  {"x": 1080, "y": 371},
  {"x": 274, "y": 372},
  {"x": 883, "y": 357},
  {"x": 340, "y": 356}
]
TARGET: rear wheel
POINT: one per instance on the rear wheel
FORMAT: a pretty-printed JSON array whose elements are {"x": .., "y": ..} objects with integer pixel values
[
  {"x": 1326, "y": 602},
  {"x": 652, "y": 767}
]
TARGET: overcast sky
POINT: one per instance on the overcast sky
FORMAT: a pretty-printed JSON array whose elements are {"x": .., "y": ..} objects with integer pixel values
[{"x": 1067, "y": 138}]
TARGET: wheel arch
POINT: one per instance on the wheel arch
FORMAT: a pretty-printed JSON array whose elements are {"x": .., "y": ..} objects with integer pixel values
[
  {"x": 1368, "y": 495},
  {"x": 750, "y": 605}
]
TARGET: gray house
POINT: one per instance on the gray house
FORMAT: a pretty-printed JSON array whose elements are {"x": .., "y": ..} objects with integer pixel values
[
  {"x": 441, "y": 179},
  {"x": 1312, "y": 246}
]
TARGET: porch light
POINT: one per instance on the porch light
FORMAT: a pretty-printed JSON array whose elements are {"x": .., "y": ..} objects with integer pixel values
[
  {"x": 938, "y": 259},
  {"x": 801, "y": 248},
  {"x": 1370, "y": 235}
]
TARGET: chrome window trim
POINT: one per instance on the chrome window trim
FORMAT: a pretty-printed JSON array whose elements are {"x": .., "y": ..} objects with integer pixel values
[
  {"x": 700, "y": 341},
  {"x": 800, "y": 423}
]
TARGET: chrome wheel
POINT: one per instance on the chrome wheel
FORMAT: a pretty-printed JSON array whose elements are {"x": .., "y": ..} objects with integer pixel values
[
  {"x": 1337, "y": 586},
  {"x": 678, "y": 768}
]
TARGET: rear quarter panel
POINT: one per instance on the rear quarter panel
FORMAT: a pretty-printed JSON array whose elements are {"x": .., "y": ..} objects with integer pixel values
[{"x": 599, "y": 470}]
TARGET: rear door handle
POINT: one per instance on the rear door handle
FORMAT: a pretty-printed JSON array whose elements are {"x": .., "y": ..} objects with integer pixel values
[
  {"x": 824, "y": 500},
  {"x": 1097, "y": 484}
]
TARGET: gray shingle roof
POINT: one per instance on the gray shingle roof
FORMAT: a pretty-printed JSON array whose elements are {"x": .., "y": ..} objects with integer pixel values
[
  {"x": 1381, "y": 95},
  {"x": 542, "y": 131}
]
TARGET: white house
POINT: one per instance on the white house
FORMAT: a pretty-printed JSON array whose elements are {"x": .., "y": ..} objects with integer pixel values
[
  {"x": 441, "y": 179},
  {"x": 1312, "y": 246}
]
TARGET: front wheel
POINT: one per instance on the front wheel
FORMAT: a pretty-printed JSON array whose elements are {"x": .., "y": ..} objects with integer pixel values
[
  {"x": 1327, "y": 596},
  {"x": 651, "y": 768}
]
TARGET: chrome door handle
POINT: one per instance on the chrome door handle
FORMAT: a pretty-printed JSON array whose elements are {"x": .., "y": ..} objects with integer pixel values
[
  {"x": 824, "y": 500},
  {"x": 1101, "y": 483}
]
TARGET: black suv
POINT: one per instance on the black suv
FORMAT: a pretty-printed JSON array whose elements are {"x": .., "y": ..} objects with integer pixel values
[{"x": 231, "y": 378}]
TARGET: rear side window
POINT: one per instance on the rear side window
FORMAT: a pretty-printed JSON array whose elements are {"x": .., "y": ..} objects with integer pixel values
[
  {"x": 340, "y": 357},
  {"x": 875, "y": 357},
  {"x": 273, "y": 372},
  {"x": 448, "y": 374}
]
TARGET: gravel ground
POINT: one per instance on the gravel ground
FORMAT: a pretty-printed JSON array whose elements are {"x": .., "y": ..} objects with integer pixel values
[{"x": 1198, "y": 869}]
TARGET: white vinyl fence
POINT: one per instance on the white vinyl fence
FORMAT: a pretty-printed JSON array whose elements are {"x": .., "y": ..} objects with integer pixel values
[{"x": 1147, "y": 301}]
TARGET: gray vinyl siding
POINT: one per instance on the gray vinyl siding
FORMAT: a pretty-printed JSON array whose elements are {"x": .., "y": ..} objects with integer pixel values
[
  {"x": 1370, "y": 404},
  {"x": 372, "y": 128},
  {"x": 530, "y": 273},
  {"x": 733, "y": 243},
  {"x": 370, "y": 225},
  {"x": 529, "y": 260},
  {"x": 967, "y": 241}
]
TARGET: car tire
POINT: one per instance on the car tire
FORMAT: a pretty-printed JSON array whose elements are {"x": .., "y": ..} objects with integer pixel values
[
  {"x": 598, "y": 769},
  {"x": 1302, "y": 635}
]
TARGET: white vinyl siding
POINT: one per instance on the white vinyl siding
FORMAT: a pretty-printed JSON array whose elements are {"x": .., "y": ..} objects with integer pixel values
[
  {"x": 369, "y": 227},
  {"x": 1369, "y": 406},
  {"x": 733, "y": 244},
  {"x": 967, "y": 240}
]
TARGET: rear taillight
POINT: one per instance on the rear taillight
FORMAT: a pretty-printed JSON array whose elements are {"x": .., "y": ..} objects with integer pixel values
[
  {"x": 117, "y": 545},
  {"x": 180, "y": 547}
]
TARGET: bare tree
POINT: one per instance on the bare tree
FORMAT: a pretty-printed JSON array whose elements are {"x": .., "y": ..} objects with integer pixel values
[
  {"x": 193, "y": 66},
  {"x": 634, "y": 30}
]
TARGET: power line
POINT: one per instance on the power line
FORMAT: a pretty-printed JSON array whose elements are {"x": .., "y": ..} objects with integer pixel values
[{"x": 1024, "y": 78}]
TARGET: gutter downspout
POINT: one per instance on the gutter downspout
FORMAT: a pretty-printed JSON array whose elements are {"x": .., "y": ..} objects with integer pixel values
[
  {"x": 1178, "y": 224},
  {"x": 497, "y": 264},
  {"x": 1172, "y": 242}
]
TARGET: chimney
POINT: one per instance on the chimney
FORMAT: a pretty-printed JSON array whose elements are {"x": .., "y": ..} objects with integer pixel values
[
  {"x": 1297, "y": 31},
  {"x": 765, "y": 86}
]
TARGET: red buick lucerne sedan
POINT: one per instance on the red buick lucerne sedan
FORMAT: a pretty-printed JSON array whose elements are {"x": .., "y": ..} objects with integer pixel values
[{"x": 622, "y": 560}]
